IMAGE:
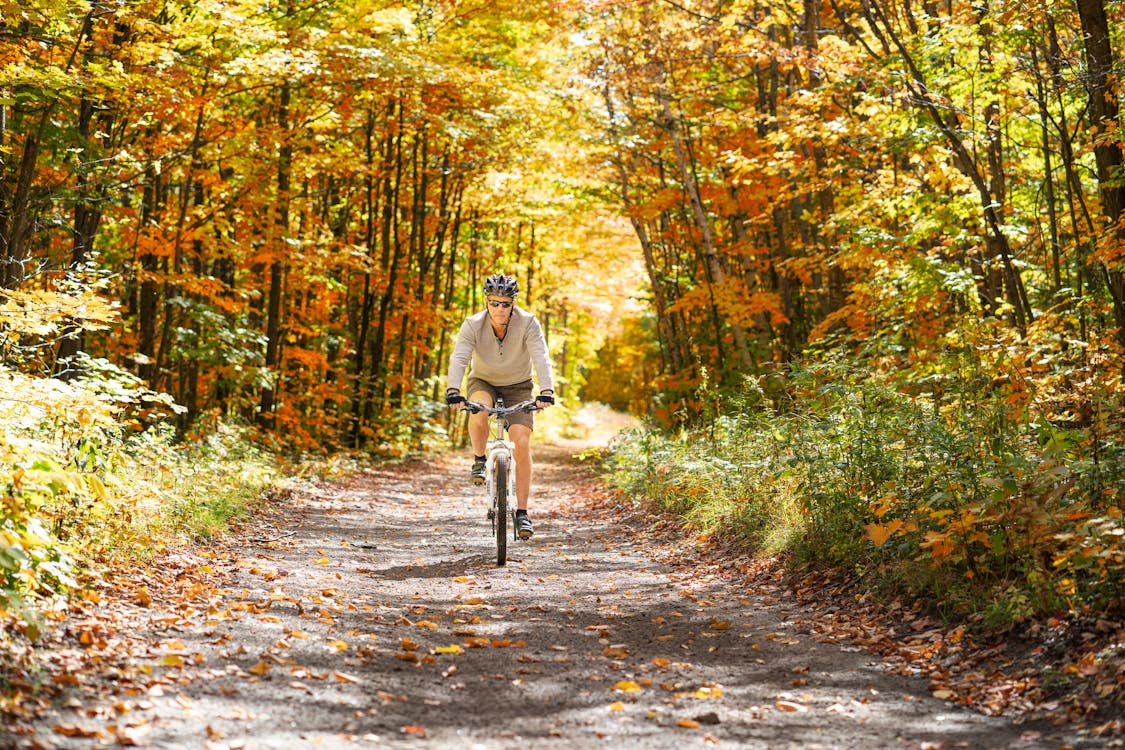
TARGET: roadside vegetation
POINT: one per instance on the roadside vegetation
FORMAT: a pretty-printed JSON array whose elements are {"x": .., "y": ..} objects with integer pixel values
[
  {"x": 96, "y": 476},
  {"x": 975, "y": 499}
]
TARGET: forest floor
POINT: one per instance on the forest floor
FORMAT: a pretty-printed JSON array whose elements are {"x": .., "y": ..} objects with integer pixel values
[{"x": 370, "y": 612}]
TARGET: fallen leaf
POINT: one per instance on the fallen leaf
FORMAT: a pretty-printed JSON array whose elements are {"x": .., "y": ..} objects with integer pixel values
[
  {"x": 708, "y": 691},
  {"x": 617, "y": 706},
  {"x": 74, "y": 730},
  {"x": 627, "y": 686},
  {"x": 131, "y": 736},
  {"x": 343, "y": 677},
  {"x": 791, "y": 706},
  {"x": 260, "y": 668},
  {"x": 688, "y": 724},
  {"x": 453, "y": 649}
]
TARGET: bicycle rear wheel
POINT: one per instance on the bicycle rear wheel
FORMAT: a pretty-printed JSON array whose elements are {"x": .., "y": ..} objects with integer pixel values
[{"x": 500, "y": 522}]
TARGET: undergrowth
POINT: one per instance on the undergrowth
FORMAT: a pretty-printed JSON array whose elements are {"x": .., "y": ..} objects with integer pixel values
[
  {"x": 94, "y": 475},
  {"x": 992, "y": 513}
]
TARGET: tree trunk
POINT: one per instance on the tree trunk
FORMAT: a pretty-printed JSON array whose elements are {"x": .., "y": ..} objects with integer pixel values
[
  {"x": 147, "y": 304},
  {"x": 392, "y": 252},
  {"x": 266, "y": 416},
  {"x": 963, "y": 159},
  {"x": 1104, "y": 112},
  {"x": 703, "y": 223},
  {"x": 87, "y": 216}
]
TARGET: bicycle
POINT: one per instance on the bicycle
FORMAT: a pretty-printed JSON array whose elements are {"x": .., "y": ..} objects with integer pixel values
[{"x": 500, "y": 470}]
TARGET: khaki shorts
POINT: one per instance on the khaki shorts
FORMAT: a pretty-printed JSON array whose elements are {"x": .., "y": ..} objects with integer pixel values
[{"x": 512, "y": 395}]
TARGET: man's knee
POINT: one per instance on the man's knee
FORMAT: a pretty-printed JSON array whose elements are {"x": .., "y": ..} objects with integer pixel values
[{"x": 521, "y": 437}]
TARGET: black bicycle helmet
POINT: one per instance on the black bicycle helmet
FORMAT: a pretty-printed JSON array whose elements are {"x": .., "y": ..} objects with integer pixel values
[{"x": 500, "y": 285}]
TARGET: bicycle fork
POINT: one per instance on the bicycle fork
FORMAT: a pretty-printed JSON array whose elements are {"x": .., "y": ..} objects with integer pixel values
[
  {"x": 506, "y": 449},
  {"x": 499, "y": 447}
]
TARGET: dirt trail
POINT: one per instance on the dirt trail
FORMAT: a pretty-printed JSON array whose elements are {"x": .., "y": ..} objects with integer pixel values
[{"x": 370, "y": 613}]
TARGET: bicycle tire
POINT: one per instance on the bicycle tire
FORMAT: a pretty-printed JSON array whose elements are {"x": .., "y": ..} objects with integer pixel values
[{"x": 501, "y": 521}]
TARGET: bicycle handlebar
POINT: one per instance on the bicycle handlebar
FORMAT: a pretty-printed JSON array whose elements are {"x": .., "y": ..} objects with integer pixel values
[{"x": 502, "y": 411}]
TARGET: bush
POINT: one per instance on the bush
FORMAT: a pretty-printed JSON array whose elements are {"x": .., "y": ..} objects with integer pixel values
[
  {"x": 967, "y": 500},
  {"x": 86, "y": 483}
]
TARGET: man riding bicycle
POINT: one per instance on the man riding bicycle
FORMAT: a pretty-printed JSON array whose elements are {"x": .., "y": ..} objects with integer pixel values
[{"x": 502, "y": 343}]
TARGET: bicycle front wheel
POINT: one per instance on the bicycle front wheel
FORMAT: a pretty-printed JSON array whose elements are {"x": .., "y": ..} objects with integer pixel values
[{"x": 500, "y": 522}]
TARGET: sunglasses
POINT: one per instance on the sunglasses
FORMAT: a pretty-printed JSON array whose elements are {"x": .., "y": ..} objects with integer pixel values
[{"x": 497, "y": 303}]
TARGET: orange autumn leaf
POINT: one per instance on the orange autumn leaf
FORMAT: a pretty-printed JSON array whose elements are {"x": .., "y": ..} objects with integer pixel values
[
  {"x": 74, "y": 730},
  {"x": 879, "y": 533}
]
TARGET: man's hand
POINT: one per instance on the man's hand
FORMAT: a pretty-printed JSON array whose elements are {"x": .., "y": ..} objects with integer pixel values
[
  {"x": 454, "y": 398},
  {"x": 545, "y": 399}
]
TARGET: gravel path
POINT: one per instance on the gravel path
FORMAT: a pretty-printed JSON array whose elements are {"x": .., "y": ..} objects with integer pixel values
[{"x": 370, "y": 613}]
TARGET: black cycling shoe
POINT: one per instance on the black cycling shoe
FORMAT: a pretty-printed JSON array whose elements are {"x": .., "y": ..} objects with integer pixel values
[
  {"x": 523, "y": 525},
  {"x": 477, "y": 472}
]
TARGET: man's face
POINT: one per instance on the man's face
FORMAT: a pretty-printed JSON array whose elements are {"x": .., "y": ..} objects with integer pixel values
[{"x": 499, "y": 309}]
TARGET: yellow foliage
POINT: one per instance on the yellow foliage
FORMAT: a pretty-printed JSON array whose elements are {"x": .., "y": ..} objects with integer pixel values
[{"x": 40, "y": 312}]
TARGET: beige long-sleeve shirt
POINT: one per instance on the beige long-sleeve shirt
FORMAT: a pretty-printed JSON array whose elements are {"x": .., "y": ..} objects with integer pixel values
[{"x": 501, "y": 362}]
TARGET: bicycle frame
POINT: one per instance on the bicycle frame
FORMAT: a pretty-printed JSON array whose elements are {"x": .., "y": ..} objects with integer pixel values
[{"x": 500, "y": 470}]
